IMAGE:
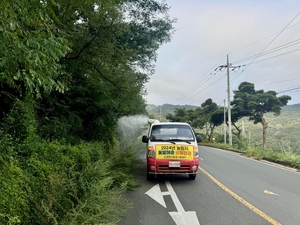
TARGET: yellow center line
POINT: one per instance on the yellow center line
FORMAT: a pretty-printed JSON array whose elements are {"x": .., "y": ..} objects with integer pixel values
[{"x": 247, "y": 204}]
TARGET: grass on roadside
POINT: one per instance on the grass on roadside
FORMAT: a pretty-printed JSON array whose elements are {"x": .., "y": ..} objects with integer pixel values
[{"x": 287, "y": 159}]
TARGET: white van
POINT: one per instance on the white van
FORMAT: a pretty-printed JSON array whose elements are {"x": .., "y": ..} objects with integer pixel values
[{"x": 172, "y": 148}]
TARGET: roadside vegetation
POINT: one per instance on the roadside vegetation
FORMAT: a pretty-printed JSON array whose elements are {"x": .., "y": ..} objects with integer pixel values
[
  {"x": 288, "y": 159},
  {"x": 260, "y": 129},
  {"x": 69, "y": 71}
]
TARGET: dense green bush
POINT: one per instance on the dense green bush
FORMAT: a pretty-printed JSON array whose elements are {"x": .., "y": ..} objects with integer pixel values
[
  {"x": 13, "y": 188},
  {"x": 51, "y": 183}
]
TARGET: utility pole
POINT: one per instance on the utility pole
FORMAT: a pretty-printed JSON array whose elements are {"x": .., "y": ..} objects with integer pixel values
[
  {"x": 228, "y": 65},
  {"x": 224, "y": 124},
  {"x": 229, "y": 110}
]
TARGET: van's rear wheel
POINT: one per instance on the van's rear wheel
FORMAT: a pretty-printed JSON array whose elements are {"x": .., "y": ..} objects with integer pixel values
[{"x": 192, "y": 176}]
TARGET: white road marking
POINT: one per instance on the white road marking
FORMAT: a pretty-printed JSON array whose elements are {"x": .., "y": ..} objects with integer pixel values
[
  {"x": 157, "y": 195},
  {"x": 269, "y": 192},
  {"x": 180, "y": 217}
]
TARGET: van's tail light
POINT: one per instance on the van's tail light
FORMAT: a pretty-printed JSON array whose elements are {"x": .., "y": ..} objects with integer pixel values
[{"x": 151, "y": 153}]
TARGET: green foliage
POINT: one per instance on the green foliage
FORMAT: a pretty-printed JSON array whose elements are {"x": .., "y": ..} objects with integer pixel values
[
  {"x": 255, "y": 153},
  {"x": 20, "y": 121},
  {"x": 217, "y": 116},
  {"x": 293, "y": 159},
  {"x": 52, "y": 183},
  {"x": 218, "y": 138},
  {"x": 240, "y": 143},
  {"x": 97, "y": 54},
  {"x": 199, "y": 117},
  {"x": 56, "y": 184},
  {"x": 254, "y": 104},
  {"x": 68, "y": 72},
  {"x": 13, "y": 184},
  {"x": 99, "y": 200},
  {"x": 181, "y": 115},
  {"x": 113, "y": 50},
  {"x": 128, "y": 160},
  {"x": 31, "y": 47},
  {"x": 288, "y": 159},
  {"x": 160, "y": 112}
]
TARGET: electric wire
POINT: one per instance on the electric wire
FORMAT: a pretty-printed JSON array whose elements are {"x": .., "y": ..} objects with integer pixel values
[
  {"x": 253, "y": 58},
  {"x": 290, "y": 89},
  {"x": 268, "y": 52},
  {"x": 204, "y": 89},
  {"x": 199, "y": 84},
  {"x": 268, "y": 44},
  {"x": 262, "y": 39},
  {"x": 277, "y": 56},
  {"x": 277, "y": 82},
  {"x": 261, "y": 53}
]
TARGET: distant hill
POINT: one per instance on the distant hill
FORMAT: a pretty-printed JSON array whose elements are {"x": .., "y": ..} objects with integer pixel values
[
  {"x": 283, "y": 131},
  {"x": 282, "y": 134},
  {"x": 160, "y": 112}
]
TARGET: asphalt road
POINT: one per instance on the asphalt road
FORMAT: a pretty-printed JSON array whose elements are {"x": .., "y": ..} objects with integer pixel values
[{"x": 229, "y": 189}]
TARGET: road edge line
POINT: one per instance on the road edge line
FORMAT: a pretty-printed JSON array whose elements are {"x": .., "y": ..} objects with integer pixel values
[{"x": 243, "y": 201}]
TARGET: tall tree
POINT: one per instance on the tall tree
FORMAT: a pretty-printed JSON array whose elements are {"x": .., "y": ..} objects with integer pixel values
[
  {"x": 114, "y": 46},
  {"x": 98, "y": 53},
  {"x": 209, "y": 107},
  {"x": 196, "y": 119},
  {"x": 248, "y": 102},
  {"x": 31, "y": 48},
  {"x": 180, "y": 115}
]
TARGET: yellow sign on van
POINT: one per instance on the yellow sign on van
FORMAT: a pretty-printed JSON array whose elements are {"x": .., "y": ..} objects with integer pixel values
[{"x": 179, "y": 152}]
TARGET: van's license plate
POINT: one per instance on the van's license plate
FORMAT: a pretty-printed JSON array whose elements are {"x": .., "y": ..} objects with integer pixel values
[{"x": 174, "y": 164}]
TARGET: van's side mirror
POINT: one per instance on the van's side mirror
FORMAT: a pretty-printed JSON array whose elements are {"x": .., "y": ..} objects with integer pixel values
[
  {"x": 145, "y": 139},
  {"x": 198, "y": 138}
]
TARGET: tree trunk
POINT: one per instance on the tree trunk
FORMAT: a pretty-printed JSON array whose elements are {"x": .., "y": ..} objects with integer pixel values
[
  {"x": 207, "y": 131},
  {"x": 239, "y": 131},
  {"x": 265, "y": 126},
  {"x": 211, "y": 128}
]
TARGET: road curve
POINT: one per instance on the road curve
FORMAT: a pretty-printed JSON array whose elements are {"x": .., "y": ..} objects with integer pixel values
[{"x": 229, "y": 189}]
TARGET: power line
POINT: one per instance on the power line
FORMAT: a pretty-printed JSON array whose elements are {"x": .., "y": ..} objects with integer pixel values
[
  {"x": 203, "y": 90},
  {"x": 193, "y": 88},
  {"x": 196, "y": 86},
  {"x": 254, "y": 57},
  {"x": 268, "y": 45},
  {"x": 277, "y": 82},
  {"x": 291, "y": 89},
  {"x": 269, "y": 51},
  {"x": 248, "y": 58},
  {"x": 261, "y": 39},
  {"x": 276, "y": 56}
]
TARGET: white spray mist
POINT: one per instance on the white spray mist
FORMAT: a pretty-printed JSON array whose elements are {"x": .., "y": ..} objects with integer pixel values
[{"x": 130, "y": 130}]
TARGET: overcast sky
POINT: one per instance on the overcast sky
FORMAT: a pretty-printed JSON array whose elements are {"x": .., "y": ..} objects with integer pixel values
[{"x": 261, "y": 36}]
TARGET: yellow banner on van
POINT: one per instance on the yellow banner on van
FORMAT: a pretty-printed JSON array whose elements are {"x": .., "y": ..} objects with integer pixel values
[{"x": 179, "y": 152}]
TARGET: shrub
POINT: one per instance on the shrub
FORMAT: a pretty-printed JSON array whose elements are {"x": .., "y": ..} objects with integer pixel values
[
  {"x": 51, "y": 183},
  {"x": 14, "y": 207},
  {"x": 255, "y": 153}
]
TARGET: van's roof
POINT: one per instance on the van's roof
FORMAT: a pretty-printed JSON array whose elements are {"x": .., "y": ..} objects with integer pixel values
[{"x": 168, "y": 123}]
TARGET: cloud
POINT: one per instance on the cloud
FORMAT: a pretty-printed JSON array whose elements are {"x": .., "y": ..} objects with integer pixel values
[{"x": 209, "y": 30}]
